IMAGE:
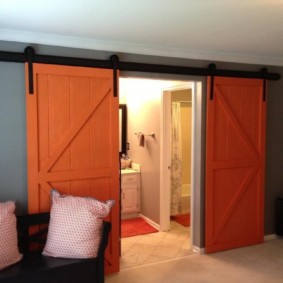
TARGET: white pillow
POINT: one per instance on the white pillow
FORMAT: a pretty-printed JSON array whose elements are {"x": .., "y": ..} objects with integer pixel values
[
  {"x": 75, "y": 226},
  {"x": 9, "y": 252}
]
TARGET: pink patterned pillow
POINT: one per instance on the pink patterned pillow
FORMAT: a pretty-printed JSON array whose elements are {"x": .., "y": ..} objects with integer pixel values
[
  {"x": 9, "y": 252},
  {"x": 75, "y": 226}
]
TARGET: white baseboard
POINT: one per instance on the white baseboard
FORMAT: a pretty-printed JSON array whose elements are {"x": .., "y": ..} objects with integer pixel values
[
  {"x": 270, "y": 237},
  {"x": 149, "y": 221},
  {"x": 198, "y": 250}
]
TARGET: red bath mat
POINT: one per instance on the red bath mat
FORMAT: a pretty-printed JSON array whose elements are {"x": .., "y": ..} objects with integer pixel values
[
  {"x": 134, "y": 227},
  {"x": 183, "y": 219}
]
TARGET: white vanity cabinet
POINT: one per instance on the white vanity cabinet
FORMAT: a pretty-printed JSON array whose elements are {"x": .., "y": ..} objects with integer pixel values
[{"x": 130, "y": 192}]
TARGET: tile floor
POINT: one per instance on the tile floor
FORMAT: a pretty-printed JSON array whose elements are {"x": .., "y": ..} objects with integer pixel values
[{"x": 155, "y": 247}]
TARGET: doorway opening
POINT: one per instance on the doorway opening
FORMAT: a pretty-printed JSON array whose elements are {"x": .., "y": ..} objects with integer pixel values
[
  {"x": 147, "y": 114},
  {"x": 177, "y": 138}
]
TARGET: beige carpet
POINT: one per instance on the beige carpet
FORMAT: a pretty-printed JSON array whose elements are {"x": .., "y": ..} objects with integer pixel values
[{"x": 256, "y": 264}]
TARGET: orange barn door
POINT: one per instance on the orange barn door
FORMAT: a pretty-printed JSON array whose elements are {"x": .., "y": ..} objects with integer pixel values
[
  {"x": 72, "y": 138},
  {"x": 235, "y": 164}
]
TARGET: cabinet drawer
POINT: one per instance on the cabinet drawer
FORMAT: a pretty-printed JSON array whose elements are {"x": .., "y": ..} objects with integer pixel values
[{"x": 131, "y": 178}]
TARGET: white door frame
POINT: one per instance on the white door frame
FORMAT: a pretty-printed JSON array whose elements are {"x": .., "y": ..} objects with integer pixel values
[{"x": 165, "y": 156}]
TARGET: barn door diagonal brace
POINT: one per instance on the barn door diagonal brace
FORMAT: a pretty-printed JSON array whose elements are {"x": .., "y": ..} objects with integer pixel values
[
  {"x": 115, "y": 61},
  {"x": 212, "y": 68},
  {"x": 29, "y": 52}
]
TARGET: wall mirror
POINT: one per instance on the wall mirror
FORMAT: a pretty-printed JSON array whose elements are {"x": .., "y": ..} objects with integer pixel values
[{"x": 123, "y": 129}]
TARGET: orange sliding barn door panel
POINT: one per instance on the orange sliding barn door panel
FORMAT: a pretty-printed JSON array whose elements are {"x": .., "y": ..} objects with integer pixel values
[
  {"x": 72, "y": 139},
  {"x": 235, "y": 164}
]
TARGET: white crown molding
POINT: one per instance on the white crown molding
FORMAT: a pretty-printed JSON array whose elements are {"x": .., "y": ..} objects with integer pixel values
[{"x": 126, "y": 47}]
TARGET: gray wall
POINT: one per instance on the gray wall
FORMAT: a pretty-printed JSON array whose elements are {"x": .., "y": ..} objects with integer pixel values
[
  {"x": 13, "y": 169},
  {"x": 13, "y": 181},
  {"x": 274, "y": 150}
]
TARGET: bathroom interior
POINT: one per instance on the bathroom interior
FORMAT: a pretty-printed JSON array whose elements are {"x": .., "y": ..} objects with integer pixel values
[{"x": 143, "y": 103}]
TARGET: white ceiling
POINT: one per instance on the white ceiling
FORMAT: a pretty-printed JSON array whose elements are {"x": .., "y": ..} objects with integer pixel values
[{"x": 249, "y": 31}]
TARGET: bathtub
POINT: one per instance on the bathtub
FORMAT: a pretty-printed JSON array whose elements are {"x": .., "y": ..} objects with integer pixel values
[{"x": 186, "y": 198}]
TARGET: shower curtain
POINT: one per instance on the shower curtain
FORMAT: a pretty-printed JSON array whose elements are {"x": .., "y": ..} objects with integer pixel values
[{"x": 176, "y": 159}]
